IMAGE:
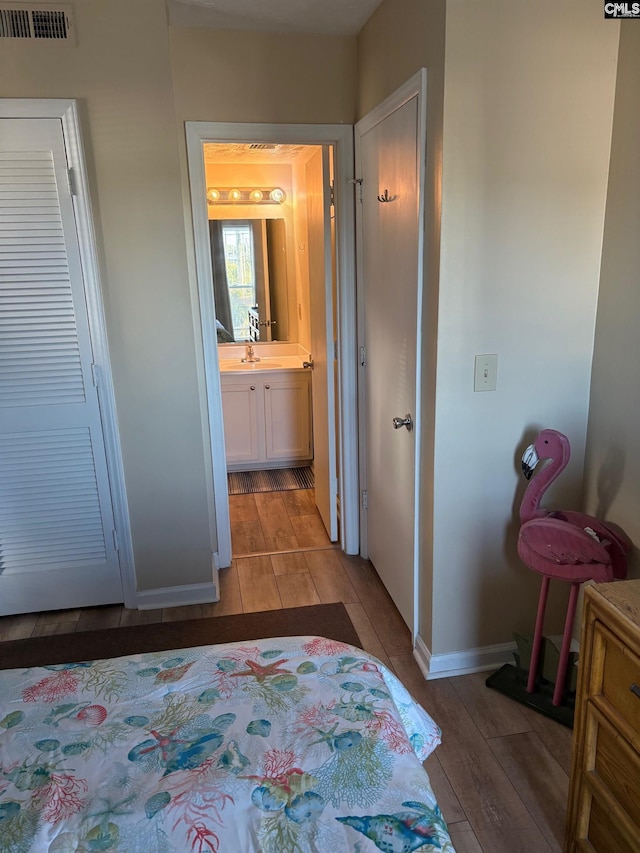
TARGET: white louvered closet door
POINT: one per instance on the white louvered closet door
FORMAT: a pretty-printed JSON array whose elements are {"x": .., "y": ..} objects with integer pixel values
[{"x": 57, "y": 543}]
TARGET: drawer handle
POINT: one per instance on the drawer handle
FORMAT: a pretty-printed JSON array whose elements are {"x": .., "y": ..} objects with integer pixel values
[
  {"x": 267, "y": 387},
  {"x": 253, "y": 387},
  {"x": 635, "y": 690}
]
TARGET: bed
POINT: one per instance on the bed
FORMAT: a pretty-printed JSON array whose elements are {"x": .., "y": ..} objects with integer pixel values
[
  {"x": 224, "y": 336},
  {"x": 283, "y": 745}
]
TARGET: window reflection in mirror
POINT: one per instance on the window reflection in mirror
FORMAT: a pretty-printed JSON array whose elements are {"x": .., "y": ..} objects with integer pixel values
[
  {"x": 240, "y": 267},
  {"x": 250, "y": 279}
]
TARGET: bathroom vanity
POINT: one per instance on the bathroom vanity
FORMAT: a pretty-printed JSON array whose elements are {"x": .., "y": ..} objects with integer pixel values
[{"x": 267, "y": 413}]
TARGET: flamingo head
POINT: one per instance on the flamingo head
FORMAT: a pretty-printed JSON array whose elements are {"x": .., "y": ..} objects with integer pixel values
[{"x": 550, "y": 444}]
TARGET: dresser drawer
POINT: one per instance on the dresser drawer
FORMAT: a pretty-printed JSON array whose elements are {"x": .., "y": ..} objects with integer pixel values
[
  {"x": 615, "y": 764},
  {"x": 603, "y": 814},
  {"x": 603, "y": 832},
  {"x": 615, "y": 677}
]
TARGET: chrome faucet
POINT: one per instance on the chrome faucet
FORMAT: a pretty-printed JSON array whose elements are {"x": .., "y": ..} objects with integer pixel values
[{"x": 250, "y": 356}]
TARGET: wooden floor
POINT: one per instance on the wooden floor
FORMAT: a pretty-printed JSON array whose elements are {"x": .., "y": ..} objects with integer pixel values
[
  {"x": 500, "y": 774},
  {"x": 275, "y": 521}
]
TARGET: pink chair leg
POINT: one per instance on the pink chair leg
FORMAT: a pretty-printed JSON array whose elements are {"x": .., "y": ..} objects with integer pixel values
[
  {"x": 566, "y": 644},
  {"x": 537, "y": 635}
]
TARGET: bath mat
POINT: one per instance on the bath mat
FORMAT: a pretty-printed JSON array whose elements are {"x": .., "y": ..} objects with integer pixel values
[{"x": 273, "y": 480}]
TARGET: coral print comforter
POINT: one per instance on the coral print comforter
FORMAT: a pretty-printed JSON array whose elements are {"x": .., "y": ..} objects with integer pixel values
[{"x": 282, "y": 745}]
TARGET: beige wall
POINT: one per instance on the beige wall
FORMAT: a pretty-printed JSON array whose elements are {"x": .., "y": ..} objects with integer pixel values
[
  {"x": 401, "y": 37},
  {"x": 528, "y": 110},
  {"x": 262, "y": 77},
  {"x": 613, "y": 462},
  {"x": 120, "y": 74}
]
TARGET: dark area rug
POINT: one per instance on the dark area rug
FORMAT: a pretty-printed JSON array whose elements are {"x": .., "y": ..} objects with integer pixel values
[
  {"x": 271, "y": 480},
  {"x": 323, "y": 620}
]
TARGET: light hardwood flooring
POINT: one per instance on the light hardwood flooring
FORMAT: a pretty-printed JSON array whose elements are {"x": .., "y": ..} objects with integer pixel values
[
  {"x": 501, "y": 772},
  {"x": 266, "y": 522}
]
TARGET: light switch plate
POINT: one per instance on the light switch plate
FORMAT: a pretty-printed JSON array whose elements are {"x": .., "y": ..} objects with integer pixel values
[{"x": 486, "y": 373}]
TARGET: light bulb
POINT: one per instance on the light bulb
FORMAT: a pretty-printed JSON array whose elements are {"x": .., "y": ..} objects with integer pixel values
[
  {"x": 256, "y": 195},
  {"x": 213, "y": 195},
  {"x": 235, "y": 195},
  {"x": 278, "y": 195}
]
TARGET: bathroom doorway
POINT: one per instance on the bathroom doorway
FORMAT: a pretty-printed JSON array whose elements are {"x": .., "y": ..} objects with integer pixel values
[{"x": 270, "y": 278}]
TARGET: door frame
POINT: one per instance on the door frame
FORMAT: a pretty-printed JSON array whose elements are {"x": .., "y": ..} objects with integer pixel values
[
  {"x": 66, "y": 110},
  {"x": 414, "y": 87},
  {"x": 321, "y": 298},
  {"x": 341, "y": 137}
]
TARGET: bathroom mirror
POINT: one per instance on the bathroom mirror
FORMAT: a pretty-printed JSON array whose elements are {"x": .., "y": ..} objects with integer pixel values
[{"x": 249, "y": 264}]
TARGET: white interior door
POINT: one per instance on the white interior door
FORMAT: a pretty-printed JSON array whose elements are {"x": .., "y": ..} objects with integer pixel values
[
  {"x": 57, "y": 542},
  {"x": 322, "y": 337},
  {"x": 388, "y": 147}
]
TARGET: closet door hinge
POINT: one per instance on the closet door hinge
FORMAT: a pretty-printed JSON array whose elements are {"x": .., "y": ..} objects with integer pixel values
[
  {"x": 363, "y": 357},
  {"x": 364, "y": 499},
  {"x": 95, "y": 374},
  {"x": 357, "y": 182},
  {"x": 71, "y": 176},
  {"x": 116, "y": 543},
  {"x": 332, "y": 193}
]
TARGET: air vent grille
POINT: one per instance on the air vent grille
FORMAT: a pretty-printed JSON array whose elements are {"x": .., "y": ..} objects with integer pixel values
[
  {"x": 36, "y": 22},
  {"x": 262, "y": 146}
]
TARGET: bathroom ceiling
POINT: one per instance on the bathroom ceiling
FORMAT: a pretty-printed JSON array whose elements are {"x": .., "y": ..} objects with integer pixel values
[
  {"x": 338, "y": 17},
  {"x": 236, "y": 152}
]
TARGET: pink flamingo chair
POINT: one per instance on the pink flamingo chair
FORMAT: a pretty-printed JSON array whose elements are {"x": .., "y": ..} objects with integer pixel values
[{"x": 569, "y": 546}]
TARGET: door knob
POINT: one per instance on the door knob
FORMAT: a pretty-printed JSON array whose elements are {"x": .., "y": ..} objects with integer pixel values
[{"x": 406, "y": 421}]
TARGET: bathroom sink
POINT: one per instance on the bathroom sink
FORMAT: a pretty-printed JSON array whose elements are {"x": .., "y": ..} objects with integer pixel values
[
  {"x": 264, "y": 364},
  {"x": 232, "y": 364},
  {"x": 278, "y": 362}
]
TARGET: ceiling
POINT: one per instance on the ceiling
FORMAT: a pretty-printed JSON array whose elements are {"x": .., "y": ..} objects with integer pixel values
[
  {"x": 335, "y": 17},
  {"x": 263, "y": 153}
]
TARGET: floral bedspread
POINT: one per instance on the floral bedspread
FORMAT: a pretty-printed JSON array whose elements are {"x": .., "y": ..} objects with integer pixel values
[{"x": 283, "y": 745}]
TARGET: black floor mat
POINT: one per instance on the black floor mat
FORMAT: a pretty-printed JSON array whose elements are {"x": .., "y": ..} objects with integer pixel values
[{"x": 272, "y": 480}]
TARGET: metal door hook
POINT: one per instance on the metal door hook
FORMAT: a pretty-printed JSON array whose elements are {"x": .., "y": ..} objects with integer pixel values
[{"x": 385, "y": 196}]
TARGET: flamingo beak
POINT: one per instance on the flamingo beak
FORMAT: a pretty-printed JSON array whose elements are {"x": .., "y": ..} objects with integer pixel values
[{"x": 529, "y": 461}]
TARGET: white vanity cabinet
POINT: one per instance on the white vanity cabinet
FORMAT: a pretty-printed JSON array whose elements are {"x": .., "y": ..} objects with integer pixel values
[
  {"x": 241, "y": 398},
  {"x": 267, "y": 418}
]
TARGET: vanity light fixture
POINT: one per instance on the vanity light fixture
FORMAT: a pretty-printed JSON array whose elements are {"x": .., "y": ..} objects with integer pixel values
[{"x": 246, "y": 195}]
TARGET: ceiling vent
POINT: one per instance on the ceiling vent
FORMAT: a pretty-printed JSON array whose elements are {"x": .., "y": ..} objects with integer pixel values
[
  {"x": 42, "y": 22},
  {"x": 262, "y": 146}
]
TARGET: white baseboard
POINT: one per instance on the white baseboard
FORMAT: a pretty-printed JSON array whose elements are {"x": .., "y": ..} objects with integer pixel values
[
  {"x": 422, "y": 655},
  {"x": 461, "y": 663},
  {"x": 181, "y": 596},
  {"x": 177, "y": 596}
]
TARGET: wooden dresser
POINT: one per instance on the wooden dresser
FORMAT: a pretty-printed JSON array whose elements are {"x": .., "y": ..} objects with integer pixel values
[{"x": 604, "y": 792}]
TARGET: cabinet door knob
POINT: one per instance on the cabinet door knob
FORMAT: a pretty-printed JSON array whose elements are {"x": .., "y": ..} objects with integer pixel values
[
  {"x": 267, "y": 387},
  {"x": 253, "y": 387}
]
